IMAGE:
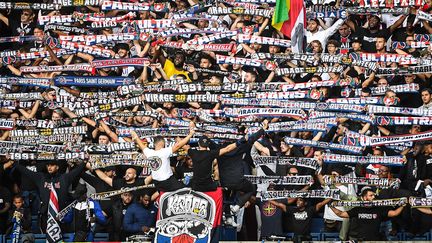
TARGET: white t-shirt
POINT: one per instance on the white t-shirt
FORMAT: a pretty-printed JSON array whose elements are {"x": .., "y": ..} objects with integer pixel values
[{"x": 164, "y": 172}]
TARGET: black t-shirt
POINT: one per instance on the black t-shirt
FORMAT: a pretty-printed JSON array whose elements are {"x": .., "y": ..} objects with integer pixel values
[
  {"x": 186, "y": 173},
  {"x": 367, "y": 222},
  {"x": 300, "y": 221},
  {"x": 369, "y": 39},
  {"x": 202, "y": 168},
  {"x": 271, "y": 217}
]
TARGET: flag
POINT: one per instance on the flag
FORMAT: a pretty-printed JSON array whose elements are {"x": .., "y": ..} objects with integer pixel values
[
  {"x": 53, "y": 228},
  {"x": 289, "y": 18}
]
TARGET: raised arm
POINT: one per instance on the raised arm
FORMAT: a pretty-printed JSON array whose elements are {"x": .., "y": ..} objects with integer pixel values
[
  {"x": 227, "y": 149},
  {"x": 425, "y": 210},
  {"x": 339, "y": 213},
  {"x": 104, "y": 177},
  {"x": 396, "y": 212},
  {"x": 184, "y": 141},
  {"x": 319, "y": 205},
  {"x": 138, "y": 141}
]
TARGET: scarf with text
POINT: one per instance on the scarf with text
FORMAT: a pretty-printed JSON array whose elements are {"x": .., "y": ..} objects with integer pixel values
[
  {"x": 104, "y": 195},
  {"x": 383, "y": 160},
  {"x": 362, "y": 181},
  {"x": 394, "y": 202},
  {"x": 274, "y": 195},
  {"x": 281, "y": 180},
  {"x": 281, "y": 160},
  {"x": 324, "y": 145}
]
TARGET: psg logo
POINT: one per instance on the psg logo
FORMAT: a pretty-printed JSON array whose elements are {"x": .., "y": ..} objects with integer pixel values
[
  {"x": 9, "y": 59},
  {"x": 383, "y": 120},
  {"x": 51, "y": 42},
  {"x": 270, "y": 65},
  {"x": 159, "y": 6}
]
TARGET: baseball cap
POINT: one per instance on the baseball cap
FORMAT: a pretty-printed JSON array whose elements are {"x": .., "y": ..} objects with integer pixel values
[{"x": 204, "y": 141}]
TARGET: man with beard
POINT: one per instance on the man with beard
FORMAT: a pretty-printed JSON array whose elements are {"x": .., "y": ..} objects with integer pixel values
[
  {"x": 174, "y": 67},
  {"x": 367, "y": 220},
  {"x": 371, "y": 33},
  {"x": 43, "y": 181},
  {"x": 314, "y": 33},
  {"x": 129, "y": 180},
  {"x": 119, "y": 209},
  {"x": 140, "y": 216}
]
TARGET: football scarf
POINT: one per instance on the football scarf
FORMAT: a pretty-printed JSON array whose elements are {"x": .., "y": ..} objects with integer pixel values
[
  {"x": 53, "y": 230},
  {"x": 91, "y": 81},
  {"x": 417, "y": 202},
  {"x": 281, "y": 180},
  {"x": 281, "y": 160},
  {"x": 394, "y": 202},
  {"x": 362, "y": 181},
  {"x": 274, "y": 195},
  {"x": 383, "y": 160},
  {"x": 104, "y": 195},
  {"x": 324, "y": 145}
]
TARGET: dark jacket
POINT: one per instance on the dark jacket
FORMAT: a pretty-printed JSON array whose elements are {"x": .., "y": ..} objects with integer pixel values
[
  {"x": 61, "y": 184},
  {"x": 138, "y": 216}
]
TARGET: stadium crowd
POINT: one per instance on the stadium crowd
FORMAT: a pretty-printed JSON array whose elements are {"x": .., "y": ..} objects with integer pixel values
[{"x": 215, "y": 97}]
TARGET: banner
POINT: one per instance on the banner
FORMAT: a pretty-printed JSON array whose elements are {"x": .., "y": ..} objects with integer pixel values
[
  {"x": 193, "y": 215},
  {"x": 274, "y": 195},
  {"x": 383, "y": 160},
  {"x": 394, "y": 202}
]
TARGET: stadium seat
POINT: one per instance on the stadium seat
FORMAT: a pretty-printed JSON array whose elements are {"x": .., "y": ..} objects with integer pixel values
[
  {"x": 228, "y": 233},
  {"x": 317, "y": 225},
  {"x": 411, "y": 237},
  {"x": 101, "y": 237},
  {"x": 330, "y": 236},
  {"x": 34, "y": 224},
  {"x": 316, "y": 236}
]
